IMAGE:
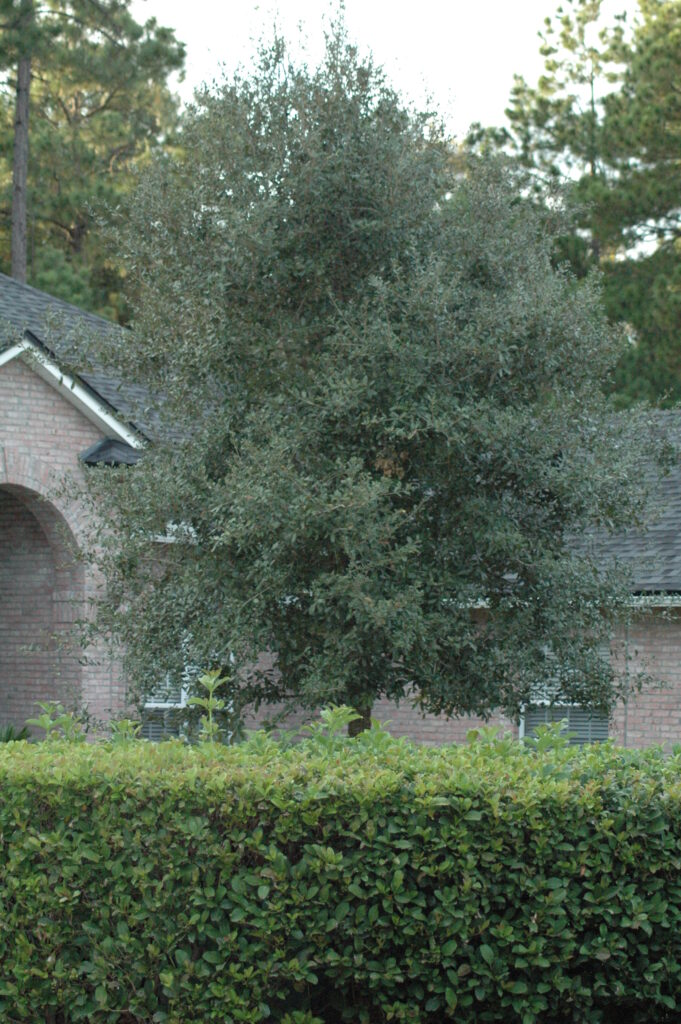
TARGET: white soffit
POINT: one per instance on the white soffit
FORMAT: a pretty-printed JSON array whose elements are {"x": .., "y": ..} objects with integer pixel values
[{"x": 72, "y": 391}]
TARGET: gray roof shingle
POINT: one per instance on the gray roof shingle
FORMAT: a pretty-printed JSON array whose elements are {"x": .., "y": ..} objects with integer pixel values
[
  {"x": 653, "y": 554},
  {"x": 29, "y": 311}
]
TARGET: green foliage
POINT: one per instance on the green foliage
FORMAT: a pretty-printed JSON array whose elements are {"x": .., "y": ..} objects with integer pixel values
[
  {"x": 381, "y": 413},
  {"x": 10, "y": 734},
  {"x": 605, "y": 117},
  {"x": 300, "y": 1017},
  {"x": 124, "y": 730},
  {"x": 550, "y": 737},
  {"x": 333, "y": 722},
  {"x": 557, "y": 126},
  {"x": 210, "y": 682},
  {"x": 100, "y": 103},
  {"x": 326, "y": 883},
  {"x": 57, "y": 722}
]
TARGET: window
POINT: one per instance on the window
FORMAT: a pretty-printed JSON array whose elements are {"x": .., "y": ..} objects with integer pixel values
[
  {"x": 167, "y": 713},
  {"x": 163, "y": 715},
  {"x": 587, "y": 726}
]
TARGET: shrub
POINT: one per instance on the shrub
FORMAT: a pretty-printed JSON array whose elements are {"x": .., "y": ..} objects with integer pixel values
[
  {"x": 12, "y": 734},
  {"x": 335, "y": 880}
]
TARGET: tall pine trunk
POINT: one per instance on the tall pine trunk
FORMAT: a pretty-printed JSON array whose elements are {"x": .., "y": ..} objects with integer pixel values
[{"x": 20, "y": 160}]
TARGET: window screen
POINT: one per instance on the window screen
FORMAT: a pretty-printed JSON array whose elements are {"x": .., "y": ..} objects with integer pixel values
[
  {"x": 160, "y": 723},
  {"x": 588, "y": 726}
]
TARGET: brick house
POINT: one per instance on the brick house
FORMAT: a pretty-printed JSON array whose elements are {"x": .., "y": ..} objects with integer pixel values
[
  {"x": 54, "y": 423},
  {"x": 50, "y": 422}
]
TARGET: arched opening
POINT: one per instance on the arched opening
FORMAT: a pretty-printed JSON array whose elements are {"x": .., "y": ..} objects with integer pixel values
[{"x": 41, "y": 595}]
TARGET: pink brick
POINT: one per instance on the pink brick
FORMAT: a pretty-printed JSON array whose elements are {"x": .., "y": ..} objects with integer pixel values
[{"x": 43, "y": 588}]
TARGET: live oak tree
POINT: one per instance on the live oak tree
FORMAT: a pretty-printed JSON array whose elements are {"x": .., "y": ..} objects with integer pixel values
[
  {"x": 379, "y": 422},
  {"x": 83, "y": 96}
]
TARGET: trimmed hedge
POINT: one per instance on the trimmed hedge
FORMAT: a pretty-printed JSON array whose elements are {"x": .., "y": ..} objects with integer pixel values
[{"x": 337, "y": 880}]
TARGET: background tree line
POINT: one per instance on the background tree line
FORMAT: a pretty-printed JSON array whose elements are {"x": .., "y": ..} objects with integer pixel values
[
  {"x": 84, "y": 96},
  {"x": 605, "y": 121}
]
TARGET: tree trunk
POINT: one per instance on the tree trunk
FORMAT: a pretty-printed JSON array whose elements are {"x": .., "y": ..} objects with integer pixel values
[
  {"x": 20, "y": 171},
  {"x": 361, "y": 723}
]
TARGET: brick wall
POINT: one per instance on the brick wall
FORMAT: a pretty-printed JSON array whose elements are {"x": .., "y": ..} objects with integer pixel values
[
  {"x": 43, "y": 588},
  {"x": 27, "y": 577},
  {"x": 37, "y": 592},
  {"x": 402, "y": 719},
  {"x": 653, "y": 715}
]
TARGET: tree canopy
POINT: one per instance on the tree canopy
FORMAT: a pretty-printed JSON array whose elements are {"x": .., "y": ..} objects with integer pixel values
[
  {"x": 99, "y": 102},
  {"x": 606, "y": 116},
  {"x": 380, "y": 417}
]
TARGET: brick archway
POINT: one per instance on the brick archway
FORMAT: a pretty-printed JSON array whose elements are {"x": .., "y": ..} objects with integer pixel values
[{"x": 41, "y": 594}]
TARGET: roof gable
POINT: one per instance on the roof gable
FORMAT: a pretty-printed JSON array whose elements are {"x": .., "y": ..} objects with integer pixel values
[
  {"x": 83, "y": 398},
  {"x": 28, "y": 312}
]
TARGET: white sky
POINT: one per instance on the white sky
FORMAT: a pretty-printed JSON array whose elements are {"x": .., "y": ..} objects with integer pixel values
[{"x": 463, "y": 53}]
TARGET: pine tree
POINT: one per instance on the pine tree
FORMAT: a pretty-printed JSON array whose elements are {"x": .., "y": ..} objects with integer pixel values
[
  {"x": 95, "y": 82},
  {"x": 606, "y": 118}
]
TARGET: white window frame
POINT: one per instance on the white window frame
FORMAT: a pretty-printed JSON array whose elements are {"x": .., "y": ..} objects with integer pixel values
[
  {"x": 166, "y": 705},
  {"x": 156, "y": 706}
]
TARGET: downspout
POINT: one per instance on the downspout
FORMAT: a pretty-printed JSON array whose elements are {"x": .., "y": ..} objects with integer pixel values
[{"x": 627, "y": 685}]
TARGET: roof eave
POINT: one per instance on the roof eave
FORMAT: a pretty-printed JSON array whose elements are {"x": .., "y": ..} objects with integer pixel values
[{"x": 74, "y": 390}]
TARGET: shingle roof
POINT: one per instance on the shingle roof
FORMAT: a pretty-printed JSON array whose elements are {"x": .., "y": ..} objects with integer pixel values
[
  {"x": 29, "y": 311},
  {"x": 652, "y": 554}
]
